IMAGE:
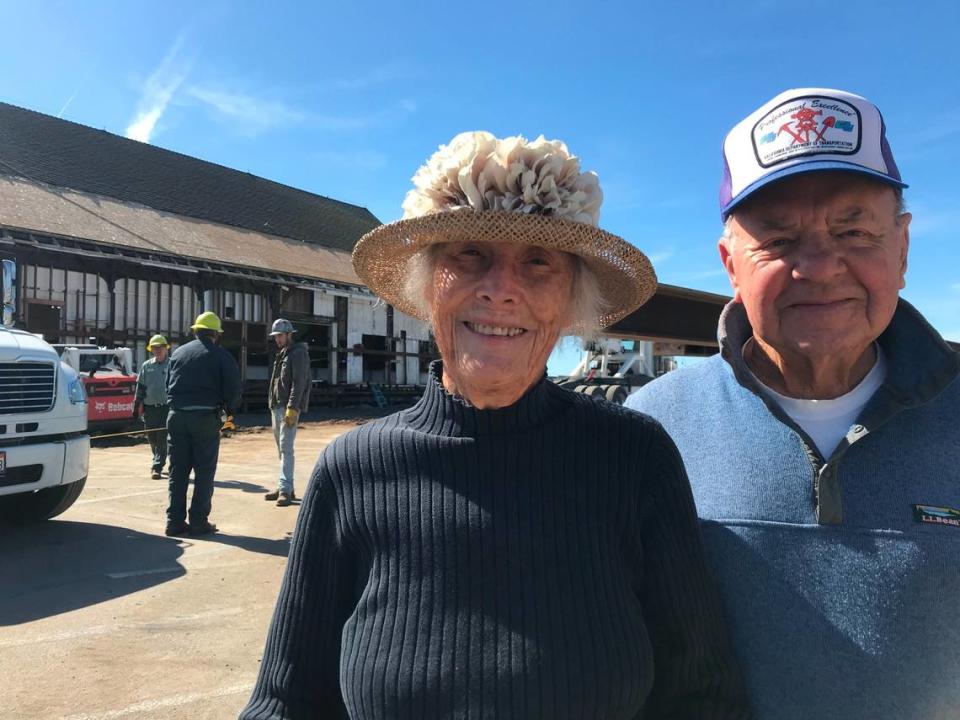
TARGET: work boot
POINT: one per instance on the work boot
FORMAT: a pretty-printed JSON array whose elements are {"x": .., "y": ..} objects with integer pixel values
[
  {"x": 285, "y": 499},
  {"x": 155, "y": 475},
  {"x": 177, "y": 529},
  {"x": 271, "y": 496},
  {"x": 204, "y": 528}
]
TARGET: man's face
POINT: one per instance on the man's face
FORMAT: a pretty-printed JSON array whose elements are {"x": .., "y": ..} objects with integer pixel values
[
  {"x": 818, "y": 261},
  {"x": 281, "y": 339},
  {"x": 159, "y": 352}
]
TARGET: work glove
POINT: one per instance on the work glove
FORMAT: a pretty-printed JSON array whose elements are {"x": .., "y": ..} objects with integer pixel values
[{"x": 290, "y": 417}]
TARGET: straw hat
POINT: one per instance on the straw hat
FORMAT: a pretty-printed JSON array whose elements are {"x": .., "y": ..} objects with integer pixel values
[{"x": 479, "y": 188}]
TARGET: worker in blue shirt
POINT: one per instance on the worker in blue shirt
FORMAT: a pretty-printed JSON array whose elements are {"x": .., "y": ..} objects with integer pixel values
[{"x": 203, "y": 381}]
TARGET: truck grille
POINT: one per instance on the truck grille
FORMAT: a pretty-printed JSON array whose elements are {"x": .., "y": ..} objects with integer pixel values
[{"x": 26, "y": 387}]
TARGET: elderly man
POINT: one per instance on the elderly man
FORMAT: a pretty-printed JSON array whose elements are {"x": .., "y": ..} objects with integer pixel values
[
  {"x": 289, "y": 396},
  {"x": 151, "y": 395},
  {"x": 822, "y": 442}
]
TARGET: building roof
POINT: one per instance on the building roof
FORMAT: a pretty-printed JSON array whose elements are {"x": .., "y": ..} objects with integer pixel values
[
  {"x": 64, "y": 154},
  {"x": 36, "y": 208}
]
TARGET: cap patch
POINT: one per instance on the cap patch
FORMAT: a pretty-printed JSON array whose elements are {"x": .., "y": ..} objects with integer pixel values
[{"x": 809, "y": 125}]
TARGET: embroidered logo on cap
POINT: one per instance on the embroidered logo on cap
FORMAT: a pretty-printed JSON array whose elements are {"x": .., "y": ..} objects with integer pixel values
[
  {"x": 809, "y": 125},
  {"x": 936, "y": 515}
]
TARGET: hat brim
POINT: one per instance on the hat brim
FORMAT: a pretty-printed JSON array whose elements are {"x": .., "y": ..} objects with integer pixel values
[
  {"x": 624, "y": 274},
  {"x": 808, "y": 167}
]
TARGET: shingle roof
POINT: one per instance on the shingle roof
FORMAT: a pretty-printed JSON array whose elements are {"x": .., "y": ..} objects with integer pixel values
[
  {"x": 33, "y": 207},
  {"x": 68, "y": 155}
]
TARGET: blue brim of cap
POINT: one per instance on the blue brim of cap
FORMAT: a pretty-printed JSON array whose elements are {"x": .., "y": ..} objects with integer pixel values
[{"x": 816, "y": 166}]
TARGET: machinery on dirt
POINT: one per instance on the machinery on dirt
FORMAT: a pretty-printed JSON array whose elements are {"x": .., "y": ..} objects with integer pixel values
[
  {"x": 109, "y": 380},
  {"x": 44, "y": 445},
  {"x": 611, "y": 369}
]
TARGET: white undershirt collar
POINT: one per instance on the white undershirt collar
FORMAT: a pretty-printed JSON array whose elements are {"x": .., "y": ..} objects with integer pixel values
[{"x": 828, "y": 421}]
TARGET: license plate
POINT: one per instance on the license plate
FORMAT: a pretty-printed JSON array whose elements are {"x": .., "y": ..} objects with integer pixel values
[{"x": 3, "y": 464}]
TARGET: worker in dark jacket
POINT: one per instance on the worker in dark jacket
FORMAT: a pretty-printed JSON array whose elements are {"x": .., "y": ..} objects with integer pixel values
[
  {"x": 151, "y": 396},
  {"x": 289, "y": 397},
  {"x": 203, "y": 381}
]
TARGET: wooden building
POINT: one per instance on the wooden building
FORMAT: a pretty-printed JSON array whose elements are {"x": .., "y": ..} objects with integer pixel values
[{"x": 117, "y": 240}]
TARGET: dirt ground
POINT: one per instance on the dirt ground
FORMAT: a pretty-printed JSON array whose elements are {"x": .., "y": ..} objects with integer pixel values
[{"x": 101, "y": 616}]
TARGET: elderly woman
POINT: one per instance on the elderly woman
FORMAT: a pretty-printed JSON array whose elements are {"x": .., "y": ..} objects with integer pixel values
[{"x": 505, "y": 548}]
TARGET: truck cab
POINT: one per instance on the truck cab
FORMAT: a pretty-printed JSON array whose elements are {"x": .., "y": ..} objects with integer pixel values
[{"x": 44, "y": 444}]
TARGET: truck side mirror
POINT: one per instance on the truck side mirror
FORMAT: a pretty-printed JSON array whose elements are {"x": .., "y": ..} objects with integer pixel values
[{"x": 9, "y": 292}]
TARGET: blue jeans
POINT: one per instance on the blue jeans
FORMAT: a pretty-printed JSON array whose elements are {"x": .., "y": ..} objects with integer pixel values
[{"x": 284, "y": 437}]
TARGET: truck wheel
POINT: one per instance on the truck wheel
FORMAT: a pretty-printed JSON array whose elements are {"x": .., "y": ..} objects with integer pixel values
[
  {"x": 617, "y": 394},
  {"x": 39, "y": 505}
]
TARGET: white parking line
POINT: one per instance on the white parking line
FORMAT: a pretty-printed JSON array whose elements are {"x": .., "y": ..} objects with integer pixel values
[
  {"x": 163, "y": 703},
  {"x": 119, "y": 497},
  {"x": 153, "y": 571}
]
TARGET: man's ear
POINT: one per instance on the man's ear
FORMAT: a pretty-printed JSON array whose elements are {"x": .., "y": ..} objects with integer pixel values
[
  {"x": 903, "y": 223},
  {"x": 726, "y": 257}
]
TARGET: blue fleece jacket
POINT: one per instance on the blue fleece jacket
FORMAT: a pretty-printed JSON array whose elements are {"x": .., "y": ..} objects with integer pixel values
[{"x": 840, "y": 576}]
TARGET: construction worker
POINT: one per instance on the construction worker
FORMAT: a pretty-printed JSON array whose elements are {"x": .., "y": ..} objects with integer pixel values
[
  {"x": 151, "y": 397},
  {"x": 289, "y": 396},
  {"x": 203, "y": 381}
]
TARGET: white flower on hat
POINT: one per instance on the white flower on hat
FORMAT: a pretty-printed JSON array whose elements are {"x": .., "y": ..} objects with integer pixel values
[{"x": 478, "y": 171}]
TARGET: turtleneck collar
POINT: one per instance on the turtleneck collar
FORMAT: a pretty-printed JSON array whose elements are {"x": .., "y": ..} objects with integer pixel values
[{"x": 440, "y": 413}]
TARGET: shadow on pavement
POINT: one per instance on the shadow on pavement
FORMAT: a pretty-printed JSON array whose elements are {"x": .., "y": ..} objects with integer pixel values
[
  {"x": 58, "y": 566},
  {"x": 280, "y": 548},
  {"x": 246, "y": 487}
]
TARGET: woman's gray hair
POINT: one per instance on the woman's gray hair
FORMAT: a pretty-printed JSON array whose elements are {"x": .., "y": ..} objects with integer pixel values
[{"x": 586, "y": 298}]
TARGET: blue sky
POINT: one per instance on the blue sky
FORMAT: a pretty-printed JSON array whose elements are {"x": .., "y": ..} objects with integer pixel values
[{"x": 348, "y": 99}]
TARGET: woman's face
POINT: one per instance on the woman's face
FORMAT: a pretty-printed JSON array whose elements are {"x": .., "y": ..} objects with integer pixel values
[{"x": 497, "y": 311}]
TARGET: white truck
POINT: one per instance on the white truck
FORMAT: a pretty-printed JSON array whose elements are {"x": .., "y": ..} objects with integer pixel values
[{"x": 44, "y": 444}]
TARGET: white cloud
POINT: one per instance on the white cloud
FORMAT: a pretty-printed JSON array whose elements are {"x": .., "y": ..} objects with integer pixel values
[
  {"x": 67, "y": 103},
  {"x": 251, "y": 115},
  {"x": 660, "y": 256},
  {"x": 356, "y": 160},
  {"x": 157, "y": 93}
]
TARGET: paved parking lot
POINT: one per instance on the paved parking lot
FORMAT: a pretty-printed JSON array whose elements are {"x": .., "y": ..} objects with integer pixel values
[{"x": 101, "y": 616}]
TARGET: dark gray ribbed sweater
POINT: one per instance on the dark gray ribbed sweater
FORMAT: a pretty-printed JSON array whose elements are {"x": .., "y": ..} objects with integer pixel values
[{"x": 540, "y": 561}]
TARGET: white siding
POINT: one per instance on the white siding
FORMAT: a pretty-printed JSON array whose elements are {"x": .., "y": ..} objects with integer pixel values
[
  {"x": 323, "y": 303},
  {"x": 365, "y": 316}
]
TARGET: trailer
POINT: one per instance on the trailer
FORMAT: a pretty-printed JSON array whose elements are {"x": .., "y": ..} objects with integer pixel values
[{"x": 611, "y": 369}]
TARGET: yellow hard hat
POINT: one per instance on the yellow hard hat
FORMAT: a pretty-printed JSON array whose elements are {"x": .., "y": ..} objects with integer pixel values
[
  {"x": 157, "y": 341},
  {"x": 207, "y": 321}
]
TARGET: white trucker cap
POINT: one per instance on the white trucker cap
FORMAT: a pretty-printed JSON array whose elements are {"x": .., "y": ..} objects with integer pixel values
[{"x": 805, "y": 130}]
